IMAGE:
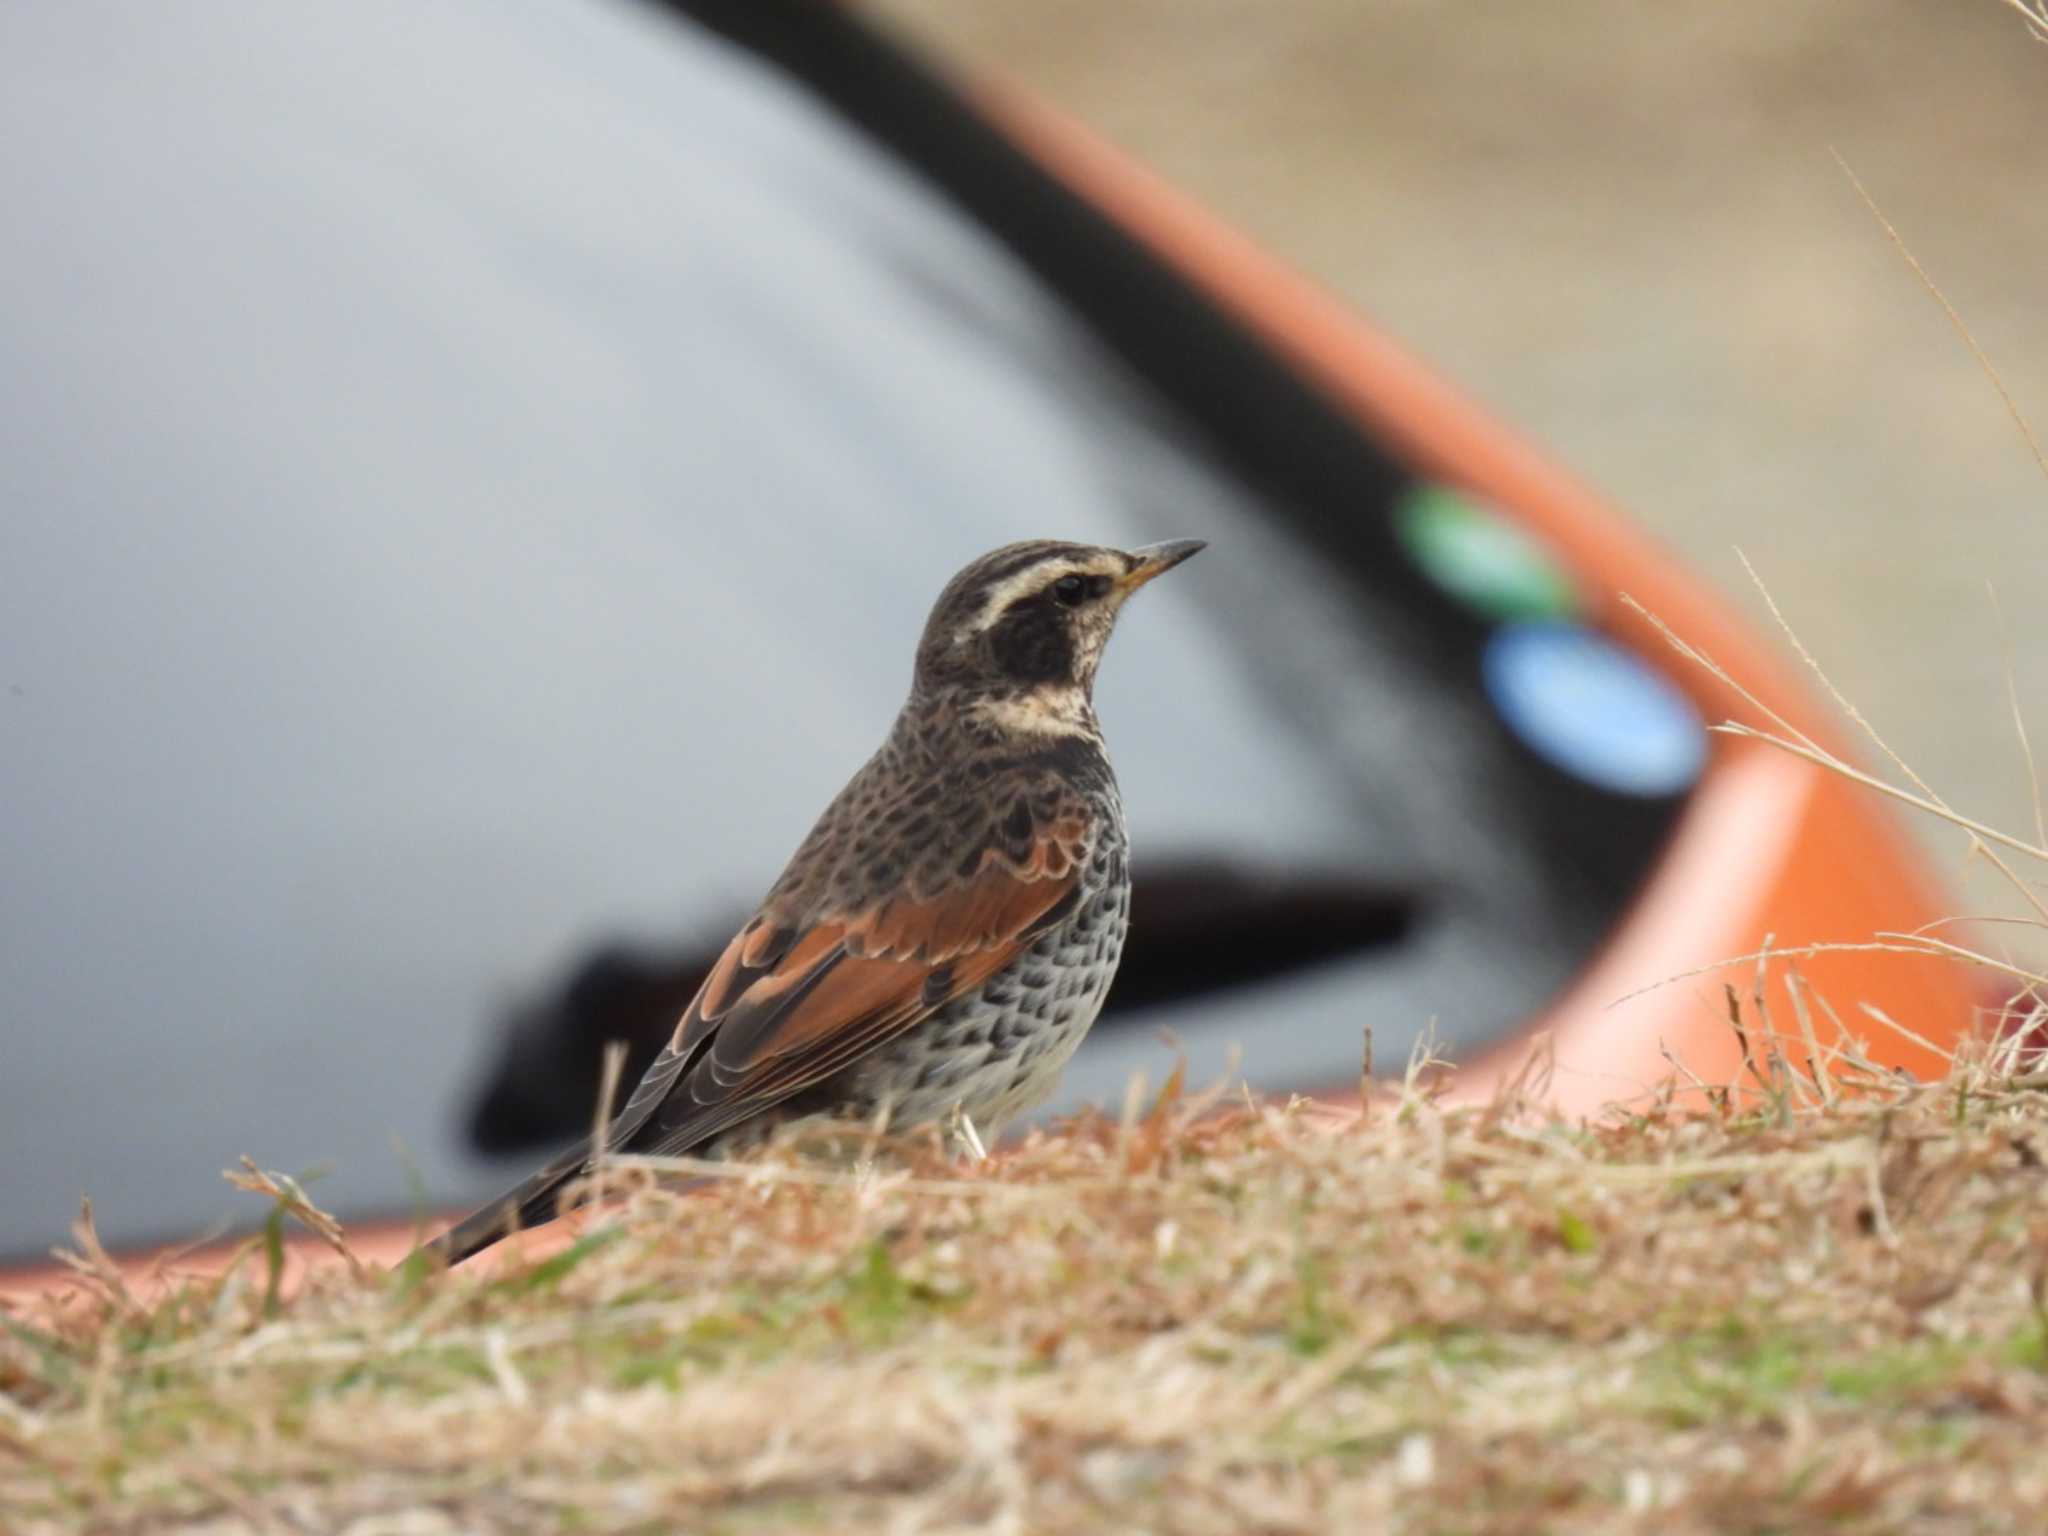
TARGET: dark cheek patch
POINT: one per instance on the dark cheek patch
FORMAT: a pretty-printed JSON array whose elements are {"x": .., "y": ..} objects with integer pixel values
[{"x": 1031, "y": 645}]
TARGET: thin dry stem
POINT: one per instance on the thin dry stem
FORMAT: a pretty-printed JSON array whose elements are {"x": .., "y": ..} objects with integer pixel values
[
  {"x": 2036, "y": 13},
  {"x": 287, "y": 1192},
  {"x": 1842, "y": 703},
  {"x": 2012, "y": 700},
  {"x": 1723, "y": 676},
  {"x": 2012, "y": 407}
]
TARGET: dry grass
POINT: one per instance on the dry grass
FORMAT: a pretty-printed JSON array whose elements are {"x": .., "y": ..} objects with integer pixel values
[
  {"x": 1793, "y": 1315},
  {"x": 2036, "y": 12},
  {"x": 1819, "y": 1303}
]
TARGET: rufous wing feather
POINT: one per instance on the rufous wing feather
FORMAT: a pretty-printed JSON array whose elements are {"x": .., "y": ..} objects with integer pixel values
[
  {"x": 788, "y": 1005},
  {"x": 845, "y": 986}
]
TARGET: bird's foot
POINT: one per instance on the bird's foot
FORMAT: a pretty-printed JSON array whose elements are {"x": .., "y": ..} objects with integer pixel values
[{"x": 969, "y": 1138}]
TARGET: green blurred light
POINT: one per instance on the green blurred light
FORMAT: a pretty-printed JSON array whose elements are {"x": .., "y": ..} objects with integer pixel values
[{"x": 1481, "y": 558}]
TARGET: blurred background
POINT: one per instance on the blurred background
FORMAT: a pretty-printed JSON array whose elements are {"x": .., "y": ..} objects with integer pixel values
[
  {"x": 1622, "y": 228},
  {"x": 472, "y": 478}
]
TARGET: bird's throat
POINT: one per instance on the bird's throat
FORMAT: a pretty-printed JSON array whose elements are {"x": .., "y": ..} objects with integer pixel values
[{"x": 1050, "y": 710}]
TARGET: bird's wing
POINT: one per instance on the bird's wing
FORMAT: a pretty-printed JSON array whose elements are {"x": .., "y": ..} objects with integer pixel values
[
  {"x": 786, "y": 1007},
  {"x": 789, "y": 1004}
]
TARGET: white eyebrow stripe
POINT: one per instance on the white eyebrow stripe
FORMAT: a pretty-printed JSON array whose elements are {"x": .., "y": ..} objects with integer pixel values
[
  {"x": 1023, "y": 584},
  {"x": 1032, "y": 578}
]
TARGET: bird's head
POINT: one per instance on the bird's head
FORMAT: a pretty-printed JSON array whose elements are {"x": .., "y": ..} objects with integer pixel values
[{"x": 1025, "y": 625}]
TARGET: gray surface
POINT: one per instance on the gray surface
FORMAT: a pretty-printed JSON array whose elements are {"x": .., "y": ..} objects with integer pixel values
[{"x": 473, "y": 476}]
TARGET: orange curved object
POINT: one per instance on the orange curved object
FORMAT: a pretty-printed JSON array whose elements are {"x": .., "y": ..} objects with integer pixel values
[{"x": 1770, "y": 850}]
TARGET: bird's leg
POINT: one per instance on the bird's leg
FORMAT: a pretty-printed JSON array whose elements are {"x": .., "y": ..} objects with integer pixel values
[
  {"x": 878, "y": 1128},
  {"x": 963, "y": 1127}
]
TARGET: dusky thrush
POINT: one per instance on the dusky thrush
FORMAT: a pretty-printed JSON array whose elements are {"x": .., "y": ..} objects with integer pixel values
[{"x": 946, "y": 934}]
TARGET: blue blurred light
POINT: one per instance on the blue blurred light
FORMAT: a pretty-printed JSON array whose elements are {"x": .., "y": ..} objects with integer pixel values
[{"x": 1593, "y": 709}]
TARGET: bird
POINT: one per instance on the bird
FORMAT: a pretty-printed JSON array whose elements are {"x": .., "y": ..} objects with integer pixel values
[{"x": 942, "y": 940}]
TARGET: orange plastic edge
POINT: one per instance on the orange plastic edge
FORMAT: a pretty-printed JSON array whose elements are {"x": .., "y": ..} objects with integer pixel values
[{"x": 1770, "y": 849}]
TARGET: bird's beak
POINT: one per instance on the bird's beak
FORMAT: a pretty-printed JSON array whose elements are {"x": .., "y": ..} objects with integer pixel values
[{"x": 1156, "y": 560}]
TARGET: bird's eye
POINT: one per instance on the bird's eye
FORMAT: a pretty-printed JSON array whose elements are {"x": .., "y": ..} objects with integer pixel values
[{"x": 1069, "y": 590}]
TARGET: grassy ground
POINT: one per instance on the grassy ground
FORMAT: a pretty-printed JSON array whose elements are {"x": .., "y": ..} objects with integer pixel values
[
  {"x": 1818, "y": 1305},
  {"x": 1784, "y": 1316}
]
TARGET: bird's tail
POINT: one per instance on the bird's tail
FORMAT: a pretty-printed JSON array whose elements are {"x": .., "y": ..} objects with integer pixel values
[
  {"x": 535, "y": 1199},
  {"x": 529, "y": 1203}
]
